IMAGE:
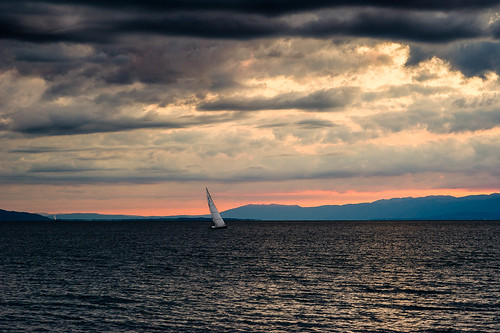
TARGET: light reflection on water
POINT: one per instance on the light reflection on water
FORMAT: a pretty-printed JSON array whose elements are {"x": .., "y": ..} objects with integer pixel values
[{"x": 293, "y": 276}]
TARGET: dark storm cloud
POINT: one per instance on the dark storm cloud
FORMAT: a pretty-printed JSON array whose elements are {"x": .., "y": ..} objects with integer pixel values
[
  {"x": 323, "y": 100},
  {"x": 495, "y": 28},
  {"x": 471, "y": 58},
  {"x": 266, "y": 7},
  {"x": 102, "y": 22},
  {"x": 377, "y": 23},
  {"x": 211, "y": 25},
  {"x": 41, "y": 24},
  {"x": 400, "y": 25}
]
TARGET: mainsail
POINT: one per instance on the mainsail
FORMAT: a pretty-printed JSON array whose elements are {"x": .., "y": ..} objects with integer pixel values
[{"x": 217, "y": 221}]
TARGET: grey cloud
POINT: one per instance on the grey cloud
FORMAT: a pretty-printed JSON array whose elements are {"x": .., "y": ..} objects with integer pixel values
[
  {"x": 274, "y": 124},
  {"x": 68, "y": 87},
  {"x": 37, "y": 55},
  {"x": 50, "y": 149},
  {"x": 148, "y": 96},
  {"x": 391, "y": 161},
  {"x": 369, "y": 161},
  {"x": 475, "y": 121},
  {"x": 62, "y": 126},
  {"x": 315, "y": 123},
  {"x": 323, "y": 100},
  {"x": 60, "y": 169},
  {"x": 47, "y": 60},
  {"x": 96, "y": 177},
  {"x": 308, "y": 125},
  {"x": 479, "y": 102},
  {"x": 425, "y": 76},
  {"x": 378, "y": 161},
  {"x": 310, "y": 131},
  {"x": 110, "y": 65},
  {"x": 399, "y": 121},
  {"x": 495, "y": 28},
  {"x": 364, "y": 160},
  {"x": 68, "y": 69},
  {"x": 471, "y": 58},
  {"x": 179, "y": 63},
  {"x": 74, "y": 122},
  {"x": 409, "y": 89},
  {"x": 433, "y": 121}
]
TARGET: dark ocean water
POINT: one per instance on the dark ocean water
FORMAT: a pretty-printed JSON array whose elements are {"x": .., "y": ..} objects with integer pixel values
[{"x": 251, "y": 277}]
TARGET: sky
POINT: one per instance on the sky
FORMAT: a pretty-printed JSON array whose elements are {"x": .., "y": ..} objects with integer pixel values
[{"x": 134, "y": 107}]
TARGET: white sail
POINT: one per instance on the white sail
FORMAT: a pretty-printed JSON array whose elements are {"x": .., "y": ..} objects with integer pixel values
[{"x": 217, "y": 221}]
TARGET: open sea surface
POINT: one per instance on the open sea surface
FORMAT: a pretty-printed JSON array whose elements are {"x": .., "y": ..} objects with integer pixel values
[{"x": 389, "y": 276}]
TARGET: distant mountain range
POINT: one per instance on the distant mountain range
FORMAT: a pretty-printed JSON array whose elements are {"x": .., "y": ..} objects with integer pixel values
[
  {"x": 425, "y": 208},
  {"x": 475, "y": 207},
  {"x": 6, "y": 215}
]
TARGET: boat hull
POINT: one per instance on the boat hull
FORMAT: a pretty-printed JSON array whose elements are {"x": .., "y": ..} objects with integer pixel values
[{"x": 214, "y": 227}]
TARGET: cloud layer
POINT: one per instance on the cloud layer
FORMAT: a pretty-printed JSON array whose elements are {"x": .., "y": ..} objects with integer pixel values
[{"x": 88, "y": 21}]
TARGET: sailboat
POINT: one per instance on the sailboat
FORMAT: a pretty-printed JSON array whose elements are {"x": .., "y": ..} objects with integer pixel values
[{"x": 217, "y": 221}]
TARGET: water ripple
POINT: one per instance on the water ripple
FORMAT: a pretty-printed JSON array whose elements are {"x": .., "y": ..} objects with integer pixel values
[{"x": 251, "y": 277}]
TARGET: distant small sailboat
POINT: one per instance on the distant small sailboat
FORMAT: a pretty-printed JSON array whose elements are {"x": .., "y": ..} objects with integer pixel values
[{"x": 217, "y": 221}]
